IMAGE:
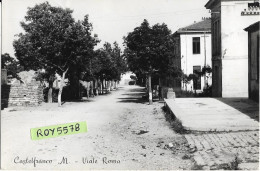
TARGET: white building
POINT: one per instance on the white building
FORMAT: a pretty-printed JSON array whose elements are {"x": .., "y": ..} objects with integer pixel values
[
  {"x": 230, "y": 45},
  {"x": 193, "y": 47}
]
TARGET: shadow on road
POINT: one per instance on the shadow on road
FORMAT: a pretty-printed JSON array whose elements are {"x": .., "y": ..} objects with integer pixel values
[
  {"x": 134, "y": 95},
  {"x": 244, "y": 105},
  {"x": 137, "y": 90},
  {"x": 131, "y": 100}
]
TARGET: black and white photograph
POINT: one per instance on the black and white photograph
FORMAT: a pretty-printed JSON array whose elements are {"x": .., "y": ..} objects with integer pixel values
[{"x": 130, "y": 84}]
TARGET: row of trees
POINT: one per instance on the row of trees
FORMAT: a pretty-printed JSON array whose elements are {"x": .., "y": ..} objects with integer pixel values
[{"x": 55, "y": 42}]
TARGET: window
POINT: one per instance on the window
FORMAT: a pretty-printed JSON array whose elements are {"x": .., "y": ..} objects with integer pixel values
[
  {"x": 197, "y": 80},
  {"x": 196, "y": 45}
]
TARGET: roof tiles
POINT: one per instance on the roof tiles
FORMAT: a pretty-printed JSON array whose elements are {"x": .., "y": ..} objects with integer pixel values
[{"x": 204, "y": 25}]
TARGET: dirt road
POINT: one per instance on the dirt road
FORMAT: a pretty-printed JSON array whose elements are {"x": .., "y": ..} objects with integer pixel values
[{"x": 124, "y": 132}]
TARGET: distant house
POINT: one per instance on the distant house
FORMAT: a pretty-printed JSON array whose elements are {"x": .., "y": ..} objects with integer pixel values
[
  {"x": 193, "y": 48},
  {"x": 253, "y": 60},
  {"x": 230, "y": 45}
]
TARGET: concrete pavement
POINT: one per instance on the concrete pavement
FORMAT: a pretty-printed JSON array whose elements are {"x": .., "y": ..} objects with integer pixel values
[
  {"x": 209, "y": 114},
  {"x": 224, "y": 134}
]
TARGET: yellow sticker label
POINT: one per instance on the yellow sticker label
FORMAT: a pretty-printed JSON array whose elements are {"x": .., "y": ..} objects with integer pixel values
[{"x": 58, "y": 130}]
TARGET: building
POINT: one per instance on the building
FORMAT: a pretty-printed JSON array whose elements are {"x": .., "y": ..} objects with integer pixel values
[
  {"x": 253, "y": 60},
  {"x": 230, "y": 45},
  {"x": 193, "y": 48}
]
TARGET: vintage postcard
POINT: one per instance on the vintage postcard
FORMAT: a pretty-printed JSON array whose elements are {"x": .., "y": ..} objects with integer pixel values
[{"x": 130, "y": 84}]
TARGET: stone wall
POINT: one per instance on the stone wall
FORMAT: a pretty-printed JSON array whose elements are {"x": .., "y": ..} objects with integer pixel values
[{"x": 20, "y": 94}]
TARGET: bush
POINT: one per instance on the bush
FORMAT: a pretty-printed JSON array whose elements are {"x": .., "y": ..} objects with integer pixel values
[
  {"x": 54, "y": 94},
  {"x": 175, "y": 123},
  {"x": 207, "y": 92},
  {"x": 182, "y": 93}
]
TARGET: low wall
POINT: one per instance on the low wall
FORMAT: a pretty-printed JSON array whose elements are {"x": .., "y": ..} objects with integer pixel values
[{"x": 19, "y": 94}]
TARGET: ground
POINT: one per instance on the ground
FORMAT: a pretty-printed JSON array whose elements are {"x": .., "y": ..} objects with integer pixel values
[
  {"x": 125, "y": 132},
  {"x": 121, "y": 127}
]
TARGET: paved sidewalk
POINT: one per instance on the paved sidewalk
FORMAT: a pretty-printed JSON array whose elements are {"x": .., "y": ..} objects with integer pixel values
[
  {"x": 225, "y": 150},
  {"x": 209, "y": 114}
]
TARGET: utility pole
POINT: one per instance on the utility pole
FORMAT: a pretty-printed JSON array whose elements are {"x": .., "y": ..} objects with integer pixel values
[{"x": 205, "y": 57}]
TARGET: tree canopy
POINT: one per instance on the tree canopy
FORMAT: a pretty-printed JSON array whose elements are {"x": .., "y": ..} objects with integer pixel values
[
  {"x": 111, "y": 62},
  {"x": 11, "y": 64},
  {"x": 150, "y": 48},
  {"x": 53, "y": 40}
]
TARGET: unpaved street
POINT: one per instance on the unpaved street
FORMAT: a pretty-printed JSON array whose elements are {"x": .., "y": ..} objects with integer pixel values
[{"x": 124, "y": 132}]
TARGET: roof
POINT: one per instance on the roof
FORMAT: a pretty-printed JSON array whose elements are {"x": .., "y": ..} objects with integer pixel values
[
  {"x": 253, "y": 27},
  {"x": 201, "y": 26},
  {"x": 211, "y": 3}
]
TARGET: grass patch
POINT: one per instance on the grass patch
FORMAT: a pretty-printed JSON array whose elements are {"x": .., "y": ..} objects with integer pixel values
[
  {"x": 175, "y": 123},
  {"x": 177, "y": 126}
]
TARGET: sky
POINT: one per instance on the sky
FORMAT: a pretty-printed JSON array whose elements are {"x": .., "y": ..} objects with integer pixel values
[{"x": 111, "y": 19}]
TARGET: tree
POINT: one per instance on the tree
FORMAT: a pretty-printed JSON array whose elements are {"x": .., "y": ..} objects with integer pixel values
[
  {"x": 149, "y": 49},
  {"x": 53, "y": 41},
  {"x": 110, "y": 62},
  {"x": 119, "y": 62},
  {"x": 11, "y": 64}
]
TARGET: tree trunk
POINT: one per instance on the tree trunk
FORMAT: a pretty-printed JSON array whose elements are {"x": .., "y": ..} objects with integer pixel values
[
  {"x": 150, "y": 89},
  {"x": 106, "y": 89},
  {"x": 50, "y": 94},
  {"x": 99, "y": 86},
  {"x": 160, "y": 90},
  {"x": 87, "y": 89},
  {"x": 102, "y": 87},
  {"x": 59, "y": 96},
  {"x": 91, "y": 89},
  {"x": 61, "y": 87}
]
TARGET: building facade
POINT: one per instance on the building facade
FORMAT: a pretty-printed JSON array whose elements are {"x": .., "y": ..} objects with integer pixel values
[
  {"x": 230, "y": 45},
  {"x": 193, "y": 48},
  {"x": 253, "y": 60}
]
